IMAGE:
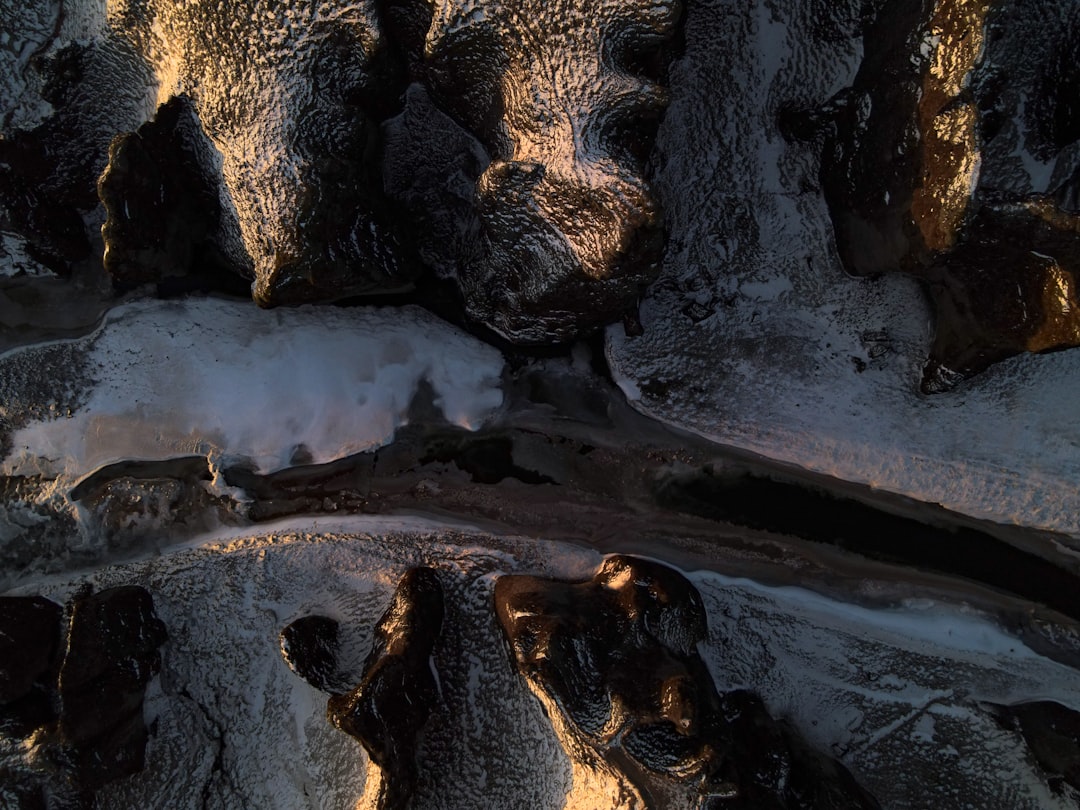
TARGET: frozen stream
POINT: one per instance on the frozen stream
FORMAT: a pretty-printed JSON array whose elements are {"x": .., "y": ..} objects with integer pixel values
[{"x": 135, "y": 449}]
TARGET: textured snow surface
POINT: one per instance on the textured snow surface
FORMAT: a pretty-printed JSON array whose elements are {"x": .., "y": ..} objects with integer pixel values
[
  {"x": 894, "y": 693},
  {"x": 754, "y": 336},
  {"x": 234, "y": 383},
  {"x": 236, "y": 728}
]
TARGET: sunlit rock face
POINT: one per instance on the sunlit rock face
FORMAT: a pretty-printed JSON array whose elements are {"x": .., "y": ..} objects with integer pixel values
[
  {"x": 388, "y": 709},
  {"x": 565, "y": 99},
  {"x": 291, "y": 96},
  {"x": 954, "y": 159},
  {"x": 615, "y": 660}
]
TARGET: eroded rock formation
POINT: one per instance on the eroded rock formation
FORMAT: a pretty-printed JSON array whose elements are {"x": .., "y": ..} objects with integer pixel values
[
  {"x": 165, "y": 219},
  {"x": 953, "y": 159},
  {"x": 93, "y": 90},
  {"x": 393, "y": 701},
  {"x": 291, "y": 96},
  {"x": 79, "y": 696},
  {"x": 615, "y": 661},
  {"x": 565, "y": 99}
]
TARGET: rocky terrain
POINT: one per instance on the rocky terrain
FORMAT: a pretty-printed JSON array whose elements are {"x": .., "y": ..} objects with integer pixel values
[{"x": 654, "y": 404}]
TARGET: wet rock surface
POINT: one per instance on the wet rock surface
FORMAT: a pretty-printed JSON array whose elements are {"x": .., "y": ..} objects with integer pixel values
[
  {"x": 616, "y": 657},
  {"x": 390, "y": 706},
  {"x": 951, "y": 160}
]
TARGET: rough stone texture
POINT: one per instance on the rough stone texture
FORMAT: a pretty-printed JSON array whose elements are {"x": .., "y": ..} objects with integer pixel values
[
  {"x": 76, "y": 699},
  {"x": 112, "y": 653},
  {"x": 29, "y": 662},
  {"x": 93, "y": 89},
  {"x": 1052, "y": 732},
  {"x": 394, "y": 699},
  {"x": 18, "y": 795},
  {"x": 165, "y": 219},
  {"x": 431, "y": 166},
  {"x": 309, "y": 646},
  {"x": 565, "y": 99},
  {"x": 292, "y": 96},
  {"x": 953, "y": 158},
  {"x": 616, "y": 657}
]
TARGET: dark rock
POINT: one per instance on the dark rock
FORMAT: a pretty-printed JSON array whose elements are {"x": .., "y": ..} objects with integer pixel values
[
  {"x": 922, "y": 176},
  {"x": 83, "y": 701},
  {"x": 431, "y": 167},
  {"x": 779, "y": 769},
  {"x": 48, "y": 173},
  {"x": 112, "y": 653},
  {"x": 1008, "y": 286},
  {"x": 165, "y": 220},
  {"x": 309, "y": 646},
  {"x": 566, "y": 101},
  {"x": 487, "y": 459},
  {"x": 617, "y": 658},
  {"x": 398, "y": 690},
  {"x": 29, "y": 662},
  {"x": 1052, "y": 732},
  {"x": 18, "y": 793}
]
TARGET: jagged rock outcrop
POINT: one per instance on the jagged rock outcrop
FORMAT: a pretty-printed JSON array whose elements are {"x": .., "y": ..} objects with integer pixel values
[
  {"x": 166, "y": 223},
  {"x": 309, "y": 646},
  {"x": 79, "y": 695},
  {"x": 276, "y": 111},
  {"x": 565, "y": 99},
  {"x": 615, "y": 661},
  {"x": 953, "y": 158},
  {"x": 93, "y": 89},
  {"x": 388, "y": 709},
  {"x": 291, "y": 96}
]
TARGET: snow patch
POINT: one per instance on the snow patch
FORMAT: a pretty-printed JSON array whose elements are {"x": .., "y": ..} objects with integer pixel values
[
  {"x": 234, "y": 383},
  {"x": 755, "y": 338}
]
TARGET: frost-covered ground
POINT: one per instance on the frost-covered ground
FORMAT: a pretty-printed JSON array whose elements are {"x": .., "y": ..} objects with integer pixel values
[
  {"x": 236, "y": 384},
  {"x": 753, "y": 335},
  {"x": 896, "y": 694},
  {"x": 753, "y": 338}
]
